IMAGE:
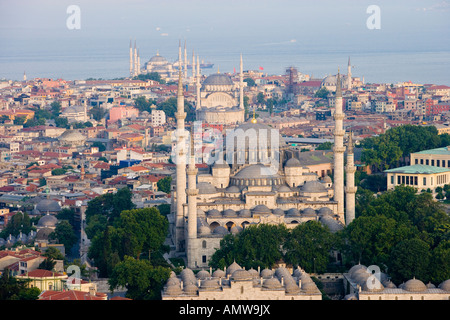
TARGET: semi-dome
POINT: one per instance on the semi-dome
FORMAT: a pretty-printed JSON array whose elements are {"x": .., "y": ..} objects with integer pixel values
[
  {"x": 313, "y": 187},
  {"x": 47, "y": 221},
  {"x": 206, "y": 188},
  {"x": 414, "y": 285},
  {"x": 48, "y": 205}
]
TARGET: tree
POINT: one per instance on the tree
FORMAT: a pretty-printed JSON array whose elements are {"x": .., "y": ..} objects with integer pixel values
[
  {"x": 259, "y": 245},
  {"x": 65, "y": 235},
  {"x": 325, "y": 146},
  {"x": 164, "y": 184},
  {"x": 20, "y": 120},
  {"x": 250, "y": 82},
  {"x": 97, "y": 113},
  {"x": 260, "y": 98},
  {"x": 20, "y": 222},
  {"x": 12, "y": 288},
  {"x": 410, "y": 258},
  {"x": 58, "y": 171},
  {"x": 308, "y": 245},
  {"x": 322, "y": 93},
  {"x": 142, "y": 280},
  {"x": 55, "y": 108}
]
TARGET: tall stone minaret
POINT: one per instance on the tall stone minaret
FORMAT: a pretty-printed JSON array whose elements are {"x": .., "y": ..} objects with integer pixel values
[
  {"x": 350, "y": 189},
  {"x": 192, "y": 193},
  {"x": 180, "y": 164},
  {"x": 349, "y": 75},
  {"x": 241, "y": 85},
  {"x": 339, "y": 150},
  {"x": 138, "y": 71},
  {"x": 198, "y": 106},
  {"x": 193, "y": 68}
]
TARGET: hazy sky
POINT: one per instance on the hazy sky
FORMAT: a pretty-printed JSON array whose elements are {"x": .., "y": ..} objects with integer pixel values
[{"x": 37, "y": 27}]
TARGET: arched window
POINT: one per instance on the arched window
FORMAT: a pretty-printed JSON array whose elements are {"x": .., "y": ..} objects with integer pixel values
[{"x": 204, "y": 244}]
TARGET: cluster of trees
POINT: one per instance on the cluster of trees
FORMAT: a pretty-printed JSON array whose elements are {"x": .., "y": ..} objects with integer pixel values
[
  {"x": 389, "y": 150},
  {"x": 404, "y": 233},
  {"x": 322, "y": 93},
  {"x": 150, "y": 76},
  {"x": 127, "y": 244}
]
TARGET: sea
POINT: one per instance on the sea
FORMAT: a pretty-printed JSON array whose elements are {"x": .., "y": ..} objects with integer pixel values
[{"x": 78, "y": 58}]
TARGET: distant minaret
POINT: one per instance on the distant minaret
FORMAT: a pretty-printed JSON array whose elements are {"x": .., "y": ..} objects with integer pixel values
[
  {"x": 180, "y": 61},
  {"x": 241, "y": 85},
  {"x": 185, "y": 61},
  {"x": 198, "y": 84},
  {"x": 131, "y": 59},
  {"x": 138, "y": 63},
  {"x": 339, "y": 150},
  {"x": 24, "y": 76},
  {"x": 180, "y": 163},
  {"x": 192, "y": 193},
  {"x": 350, "y": 189},
  {"x": 135, "y": 59},
  {"x": 85, "y": 111},
  {"x": 349, "y": 75}
]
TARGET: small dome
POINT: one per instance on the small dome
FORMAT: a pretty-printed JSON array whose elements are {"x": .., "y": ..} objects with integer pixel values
[
  {"x": 271, "y": 283},
  {"x": 253, "y": 273},
  {"x": 278, "y": 212},
  {"x": 445, "y": 285},
  {"x": 232, "y": 189},
  {"x": 389, "y": 284},
  {"x": 219, "y": 273},
  {"x": 241, "y": 274},
  {"x": 233, "y": 267},
  {"x": 214, "y": 213},
  {"x": 236, "y": 230},
  {"x": 325, "y": 211},
  {"x": 266, "y": 274},
  {"x": 190, "y": 289},
  {"x": 219, "y": 79},
  {"x": 293, "y": 162},
  {"x": 210, "y": 284},
  {"x": 229, "y": 213},
  {"x": 313, "y": 187},
  {"x": 309, "y": 212},
  {"x": 203, "y": 274},
  {"x": 43, "y": 233},
  {"x": 284, "y": 189},
  {"x": 430, "y": 285},
  {"x": 173, "y": 281},
  {"x": 245, "y": 213},
  {"x": 261, "y": 209},
  {"x": 356, "y": 268},
  {"x": 204, "y": 230},
  {"x": 327, "y": 179},
  {"x": 291, "y": 288},
  {"x": 293, "y": 212},
  {"x": 47, "y": 221},
  {"x": 414, "y": 285},
  {"x": 220, "y": 230},
  {"x": 72, "y": 135},
  {"x": 48, "y": 205},
  {"x": 309, "y": 287},
  {"x": 173, "y": 290},
  {"x": 372, "y": 285}
]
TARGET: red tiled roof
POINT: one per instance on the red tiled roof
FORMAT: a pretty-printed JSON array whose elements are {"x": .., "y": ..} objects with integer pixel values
[
  {"x": 71, "y": 295},
  {"x": 40, "y": 273}
]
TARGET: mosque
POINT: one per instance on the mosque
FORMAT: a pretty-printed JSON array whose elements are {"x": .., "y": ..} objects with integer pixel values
[{"x": 256, "y": 179}]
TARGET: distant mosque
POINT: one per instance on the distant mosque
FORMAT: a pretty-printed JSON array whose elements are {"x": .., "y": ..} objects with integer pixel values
[{"x": 347, "y": 82}]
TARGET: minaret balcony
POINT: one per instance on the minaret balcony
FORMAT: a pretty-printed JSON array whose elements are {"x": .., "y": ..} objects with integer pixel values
[
  {"x": 339, "y": 132},
  {"x": 180, "y": 116},
  {"x": 351, "y": 189},
  {"x": 192, "y": 192},
  {"x": 351, "y": 169},
  {"x": 339, "y": 149},
  {"x": 192, "y": 172},
  {"x": 339, "y": 116}
]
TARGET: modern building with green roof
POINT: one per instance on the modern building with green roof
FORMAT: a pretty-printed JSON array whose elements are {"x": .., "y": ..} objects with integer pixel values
[
  {"x": 420, "y": 176},
  {"x": 439, "y": 157}
]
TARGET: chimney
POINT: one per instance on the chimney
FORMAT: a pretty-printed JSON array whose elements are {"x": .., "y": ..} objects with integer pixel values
[{"x": 92, "y": 291}]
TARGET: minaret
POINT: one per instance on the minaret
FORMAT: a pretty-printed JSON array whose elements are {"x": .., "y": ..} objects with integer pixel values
[
  {"x": 192, "y": 193},
  {"x": 135, "y": 59},
  {"x": 193, "y": 68},
  {"x": 349, "y": 75},
  {"x": 24, "y": 76},
  {"x": 241, "y": 85},
  {"x": 185, "y": 61},
  {"x": 180, "y": 164},
  {"x": 350, "y": 189},
  {"x": 339, "y": 150},
  {"x": 138, "y": 63},
  {"x": 131, "y": 59},
  {"x": 198, "y": 106}
]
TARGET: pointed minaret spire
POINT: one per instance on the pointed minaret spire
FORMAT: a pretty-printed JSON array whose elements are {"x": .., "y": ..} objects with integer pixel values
[
  {"x": 185, "y": 61},
  {"x": 131, "y": 58},
  {"x": 135, "y": 59},
  {"x": 180, "y": 61},
  {"x": 349, "y": 75},
  {"x": 138, "y": 63}
]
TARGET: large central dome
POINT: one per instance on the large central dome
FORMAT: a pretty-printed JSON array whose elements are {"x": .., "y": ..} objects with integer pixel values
[{"x": 218, "y": 82}]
